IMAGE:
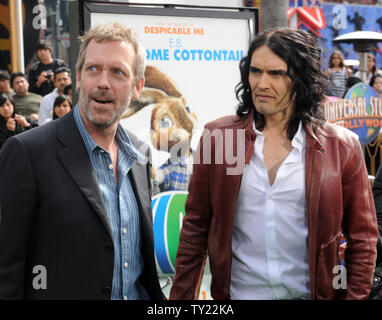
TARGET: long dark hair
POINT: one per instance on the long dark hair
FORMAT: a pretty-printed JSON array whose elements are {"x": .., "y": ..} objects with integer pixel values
[
  {"x": 59, "y": 101},
  {"x": 302, "y": 55},
  {"x": 338, "y": 53},
  {"x": 3, "y": 99}
]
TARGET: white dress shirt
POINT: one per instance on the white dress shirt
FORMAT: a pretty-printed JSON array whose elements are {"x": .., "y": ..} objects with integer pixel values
[
  {"x": 269, "y": 240},
  {"x": 45, "y": 114}
]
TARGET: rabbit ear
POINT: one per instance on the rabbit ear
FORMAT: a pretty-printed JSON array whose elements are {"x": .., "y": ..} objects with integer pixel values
[
  {"x": 147, "y": 97},
  {"x": 154, "y": 78},
  {"x": 158, "y": 86}
]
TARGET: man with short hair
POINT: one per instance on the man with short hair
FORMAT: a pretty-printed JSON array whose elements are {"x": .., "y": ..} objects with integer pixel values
[
  {"x": 75, "y": 194},
  {"x": 27, "y": 103},
  {"x": 40, "y": 75},
  {"x": 5, "y": 84},
  {"x": 61, "y": 79},
  {"x": 272, "y": 226}
]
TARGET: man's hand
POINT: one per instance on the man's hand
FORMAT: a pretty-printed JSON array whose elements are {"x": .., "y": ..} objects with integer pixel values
[
  {"x": 34, "y": 116},
  {"x": 22, "y": 121},
  {"x": 11, "y": 124},
  {"x": 42, "y": 78}
]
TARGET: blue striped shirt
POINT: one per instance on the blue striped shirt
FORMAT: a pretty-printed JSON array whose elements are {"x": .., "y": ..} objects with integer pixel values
[{"x": 122, "y": 210}]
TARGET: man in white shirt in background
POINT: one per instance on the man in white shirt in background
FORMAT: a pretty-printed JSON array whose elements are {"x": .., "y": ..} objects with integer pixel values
[{"x": 61, "y": 79}]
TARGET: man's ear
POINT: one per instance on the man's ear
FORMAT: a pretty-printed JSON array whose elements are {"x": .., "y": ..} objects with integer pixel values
[
  {"x": 138, "y": 88},
  {"x": 78, "y": 79}
]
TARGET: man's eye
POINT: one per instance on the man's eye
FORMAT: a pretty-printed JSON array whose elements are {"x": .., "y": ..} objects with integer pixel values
[
  {"x": 277, "y": 74},
  {"x": 254, "y": 70},
  {"x": 118, "y": 72},
  {"x": 92, "y": 68}
]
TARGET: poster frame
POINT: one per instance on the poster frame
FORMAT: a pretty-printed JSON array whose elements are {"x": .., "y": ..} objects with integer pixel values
[{"x": 250, "y": 14}]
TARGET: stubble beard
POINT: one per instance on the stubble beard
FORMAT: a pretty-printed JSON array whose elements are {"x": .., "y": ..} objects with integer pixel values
[{"x": 83, "y": 103}]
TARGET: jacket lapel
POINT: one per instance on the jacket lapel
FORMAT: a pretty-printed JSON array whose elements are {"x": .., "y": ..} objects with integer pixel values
[
  {"x": 138, "y": 177},
  {"x": 313, "y": 167},
  {"x": 76, "y": 160}
]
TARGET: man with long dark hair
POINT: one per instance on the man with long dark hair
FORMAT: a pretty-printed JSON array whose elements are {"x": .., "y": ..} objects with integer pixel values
[{"x": 272, "y": 226}]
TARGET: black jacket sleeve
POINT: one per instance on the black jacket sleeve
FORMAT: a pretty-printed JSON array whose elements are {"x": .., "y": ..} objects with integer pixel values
[{"x": 17, "y": 200}]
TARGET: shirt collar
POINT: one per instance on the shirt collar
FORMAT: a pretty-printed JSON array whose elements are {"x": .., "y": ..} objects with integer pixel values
[
  {"x": 124, "y": 142},
  {"x": 258, "y": 132},
  {"x": 178, "y": 161},
  {"x": 298, "y": 140},
  {"x": 126, "y": 145}
]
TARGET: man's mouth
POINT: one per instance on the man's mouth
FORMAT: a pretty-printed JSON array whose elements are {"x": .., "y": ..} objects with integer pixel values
[
  {"x": 102, "y": 100},
  {"x": 263, "y": 96}
]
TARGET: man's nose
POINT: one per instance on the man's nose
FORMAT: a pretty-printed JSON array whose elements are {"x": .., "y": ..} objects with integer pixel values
[
  {"x": 104, "y": 80},
  {"x": 263, "y": 81}
]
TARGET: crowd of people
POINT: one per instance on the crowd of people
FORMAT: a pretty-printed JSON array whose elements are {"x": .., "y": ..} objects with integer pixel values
[
  {"x": 38, "y": 97},
  {"x": 34, "y": 94},
  {"x": 342, "y": 77}
]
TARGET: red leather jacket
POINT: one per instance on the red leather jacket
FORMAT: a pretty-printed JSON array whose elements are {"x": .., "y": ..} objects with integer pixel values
[{"x": 338, "y": 200}]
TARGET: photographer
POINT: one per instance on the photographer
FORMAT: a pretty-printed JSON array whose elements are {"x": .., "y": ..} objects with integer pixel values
[
  {"x": 41, "y": 73},
  {"x": 11, "y": 123},
  {"x": 61, "y": 79}
]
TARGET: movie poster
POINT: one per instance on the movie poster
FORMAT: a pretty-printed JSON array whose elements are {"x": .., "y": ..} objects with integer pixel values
[{"x": 198, "y": 56}]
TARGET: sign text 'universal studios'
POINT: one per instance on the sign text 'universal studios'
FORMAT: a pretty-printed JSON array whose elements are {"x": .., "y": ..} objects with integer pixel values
[{"x": 354, "y": 113}]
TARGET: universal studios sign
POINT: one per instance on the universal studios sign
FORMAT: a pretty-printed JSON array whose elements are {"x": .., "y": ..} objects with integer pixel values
[{"x": 360, "y": 111}]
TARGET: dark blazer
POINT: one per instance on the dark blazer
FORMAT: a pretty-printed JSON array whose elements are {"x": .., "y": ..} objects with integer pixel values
[{"x": 53, "y": 215}]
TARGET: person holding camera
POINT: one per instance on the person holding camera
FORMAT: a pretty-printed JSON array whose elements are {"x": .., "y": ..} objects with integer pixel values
[
  {"x": 61, "y": 79},
  {"x": 11, "y": 123},
  {"x": 40, "y": 75}
]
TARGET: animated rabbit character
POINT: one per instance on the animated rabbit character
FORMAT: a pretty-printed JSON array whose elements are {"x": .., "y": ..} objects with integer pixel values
[{"x": 172, "y": 126}]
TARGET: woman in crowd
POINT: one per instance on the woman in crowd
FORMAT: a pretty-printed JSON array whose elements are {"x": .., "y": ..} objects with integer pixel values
[
  {"x": 11, "y": 123},
  {"x": 371, "y": 69},
  {"x": 376, "y": 83},
  {"x": 61, "y": 106},
  {"x": 337, "y": 74}
]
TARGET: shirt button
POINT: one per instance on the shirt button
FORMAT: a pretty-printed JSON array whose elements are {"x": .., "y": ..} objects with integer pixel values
[
  {"x": 110, "y": 166},
  {"x": 124, "y": 231},
  {"x": 125, "y": 264},
  {"x": 102, "y": 151}
]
